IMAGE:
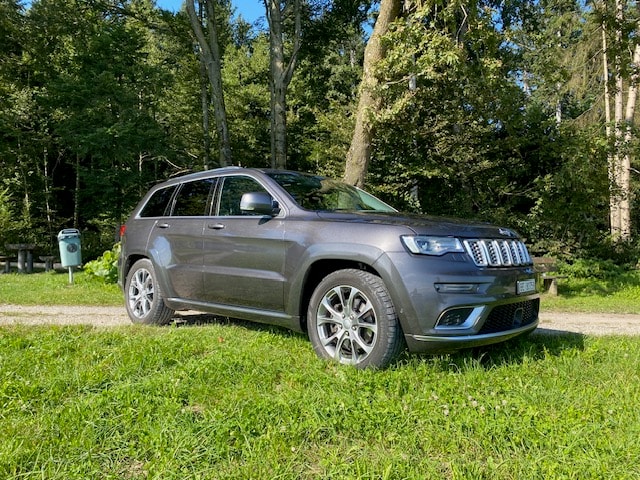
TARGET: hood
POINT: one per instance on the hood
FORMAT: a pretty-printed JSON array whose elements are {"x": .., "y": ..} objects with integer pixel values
[{"x": 424, "y": 224}]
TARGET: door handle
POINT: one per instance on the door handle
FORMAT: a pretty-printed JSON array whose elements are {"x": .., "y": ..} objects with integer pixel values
[
  {"x": 163, "y": 225},
  {"x": 215, "y": 226}
]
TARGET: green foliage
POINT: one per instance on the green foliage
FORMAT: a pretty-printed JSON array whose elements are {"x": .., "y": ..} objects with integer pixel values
[
  {"x": 491, "y": 111},
  {"x": 592, "y": 269},
  {"x": 105, "y": 267},
  {"x": 7, "y": 219},
  {"x": 247, "y": 100}
]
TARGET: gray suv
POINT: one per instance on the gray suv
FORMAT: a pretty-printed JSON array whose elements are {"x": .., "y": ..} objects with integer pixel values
[{"x": 318, "y": 256}]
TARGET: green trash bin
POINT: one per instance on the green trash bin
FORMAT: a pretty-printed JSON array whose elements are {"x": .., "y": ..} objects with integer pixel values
[{"x": 70, "y": 249}]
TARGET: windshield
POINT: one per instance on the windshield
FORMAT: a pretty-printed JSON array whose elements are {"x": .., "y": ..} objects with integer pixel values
[{"x": 324, "y": 194}]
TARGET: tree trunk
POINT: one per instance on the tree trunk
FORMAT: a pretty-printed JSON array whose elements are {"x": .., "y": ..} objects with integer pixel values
[
  {"x": 204, "y": 102},
  {"x": 614, "y": 211},
  {"x": 76, "y": 196},
  {"x": 625, "y": 165},
  {"x": 281, "y": 74},
  {"x": 359, "y": 153},
  {"x": 620, "y": 160},
  {"x": 617, "y": 126},
  {"x": 210, "y": 56}
]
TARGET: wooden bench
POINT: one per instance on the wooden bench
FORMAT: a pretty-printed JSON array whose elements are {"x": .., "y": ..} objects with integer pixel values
[
  {"x": 545, "y": 268},
  {"x": 48, "y": 262}
]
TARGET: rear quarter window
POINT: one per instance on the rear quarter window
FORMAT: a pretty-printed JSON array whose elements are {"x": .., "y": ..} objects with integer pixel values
[{"x": 158, "y": 204}]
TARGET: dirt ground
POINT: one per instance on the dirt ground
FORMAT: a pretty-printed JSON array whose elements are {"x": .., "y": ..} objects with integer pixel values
[{"x": 550, "y": 322}]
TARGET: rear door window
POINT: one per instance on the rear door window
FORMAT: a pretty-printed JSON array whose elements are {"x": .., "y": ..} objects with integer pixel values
[{"x": 194, "y": 199}]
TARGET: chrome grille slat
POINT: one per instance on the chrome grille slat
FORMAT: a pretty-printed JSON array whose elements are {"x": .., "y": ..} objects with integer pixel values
[{"x": 497, "y": 252}]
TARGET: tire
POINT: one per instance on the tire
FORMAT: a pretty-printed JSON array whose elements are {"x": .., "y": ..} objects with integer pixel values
[
  {"x": 143, "y": 296},
  {"x": 352, "y": 320}
]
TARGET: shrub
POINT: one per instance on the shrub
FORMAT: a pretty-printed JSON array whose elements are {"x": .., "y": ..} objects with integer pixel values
[
  {"x": 105, "y": 267},
  {"x": 592, "y": 269}
]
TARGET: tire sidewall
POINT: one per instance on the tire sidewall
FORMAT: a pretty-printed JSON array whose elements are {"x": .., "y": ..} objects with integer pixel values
[
  {"x": 387, "y": 343},
  {"x": 159, "y": 313}
]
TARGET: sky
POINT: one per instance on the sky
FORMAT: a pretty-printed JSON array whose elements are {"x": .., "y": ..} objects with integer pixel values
[{"x": 250, "y": 10}]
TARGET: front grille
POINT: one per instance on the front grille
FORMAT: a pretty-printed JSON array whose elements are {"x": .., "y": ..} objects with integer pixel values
[
  {"x": 498, "y": 253},
  {"x": 513, "y": 315}
]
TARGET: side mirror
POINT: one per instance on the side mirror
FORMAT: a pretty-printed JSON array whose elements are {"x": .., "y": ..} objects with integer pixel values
[{"x": 259, "y": 203}]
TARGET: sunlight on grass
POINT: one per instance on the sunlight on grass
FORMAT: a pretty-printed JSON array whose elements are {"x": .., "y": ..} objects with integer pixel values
[
  {"x": 232, "y": 401},
  {"x": 53, "y": 288},
  {"x": 617, "y": 295}
]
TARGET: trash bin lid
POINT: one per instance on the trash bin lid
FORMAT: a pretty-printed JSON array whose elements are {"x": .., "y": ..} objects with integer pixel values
[{"x": 68, "y": 233}]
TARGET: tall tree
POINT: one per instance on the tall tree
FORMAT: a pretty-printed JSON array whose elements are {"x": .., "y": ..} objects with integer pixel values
[
  {"x": 359, "y": 153},
  {"x": 204, "y": 25},
  {"x": 282, "y": 68},
  {"x": 620, "y": 57}
]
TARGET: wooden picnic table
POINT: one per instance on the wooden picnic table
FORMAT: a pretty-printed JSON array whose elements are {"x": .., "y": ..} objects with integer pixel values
[{"x": 25, "y": 255}]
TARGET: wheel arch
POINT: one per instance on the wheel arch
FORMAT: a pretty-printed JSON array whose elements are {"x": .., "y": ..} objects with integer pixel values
[
  {"x": 128, "y": 263},
  {"x": 319, "y": 270}
]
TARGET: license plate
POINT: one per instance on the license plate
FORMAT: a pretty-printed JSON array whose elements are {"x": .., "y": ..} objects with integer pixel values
[{"x": 526, "y": 286}]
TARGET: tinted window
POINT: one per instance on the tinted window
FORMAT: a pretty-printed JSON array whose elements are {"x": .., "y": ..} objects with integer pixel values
[
  {"x": 157, "y": 204},
  {"x": 232, "y": 190},
  {"x": 193, "y": 199}
]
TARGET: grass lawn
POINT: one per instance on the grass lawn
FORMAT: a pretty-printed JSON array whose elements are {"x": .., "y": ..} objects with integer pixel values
[
  {"x": 237, "y": 400},
  {"x": 614, "y": 295},
  {"x": 53, "y": 288}
]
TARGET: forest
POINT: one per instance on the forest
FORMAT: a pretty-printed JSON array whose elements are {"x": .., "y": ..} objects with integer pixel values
[{"x": 517, "y": 112}]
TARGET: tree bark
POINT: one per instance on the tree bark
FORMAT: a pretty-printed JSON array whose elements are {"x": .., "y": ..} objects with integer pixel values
[
  {"x": 210, "y": 56},
  {"x": 614, "y": 211},
  {"x": 204, "y": 104},
  {"x": 359, "y": 154},
  {"x": 76, "y": 195},
  {"x": 625, "y": 165},
  {"x": 620, "y": 160},
  {"x": 281, "y": 74}
]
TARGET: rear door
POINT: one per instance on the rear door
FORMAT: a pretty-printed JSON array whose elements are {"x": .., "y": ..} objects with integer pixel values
[
  {"x": 177, "y": 239},
  {"x": 243, "y": 253}
]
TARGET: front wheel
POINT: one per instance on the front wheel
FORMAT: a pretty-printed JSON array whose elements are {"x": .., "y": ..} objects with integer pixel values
[
  {"x": 352, "y": 320},
  {"x": 143, "y": 296}
]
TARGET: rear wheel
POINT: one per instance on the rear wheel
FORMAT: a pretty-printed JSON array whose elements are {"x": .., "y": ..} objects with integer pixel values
[
  {"x": 352, "y": 320},
  {"x": 143, "y": 296}
]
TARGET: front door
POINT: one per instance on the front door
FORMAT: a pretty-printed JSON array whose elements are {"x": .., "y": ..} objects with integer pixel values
[{"x": 243, "y": 253}]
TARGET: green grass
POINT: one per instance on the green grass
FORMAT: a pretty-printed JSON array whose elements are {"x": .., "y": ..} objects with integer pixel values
[
  {"x": 238, "y": 401},
  {"x": 619, "y": 294},
  {"x": 53, "y": 288}
]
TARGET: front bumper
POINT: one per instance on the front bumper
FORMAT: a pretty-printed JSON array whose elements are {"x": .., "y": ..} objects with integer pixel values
[
  {"x": 447, "y": 303},
  {"x": 500, "y": 324}
]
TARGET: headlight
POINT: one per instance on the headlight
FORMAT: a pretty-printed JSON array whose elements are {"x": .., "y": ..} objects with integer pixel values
[{"x": 427, "y": 245}]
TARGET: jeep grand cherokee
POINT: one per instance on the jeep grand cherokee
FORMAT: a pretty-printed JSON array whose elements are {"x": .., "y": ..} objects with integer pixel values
[{"x": 318, "y": 256}]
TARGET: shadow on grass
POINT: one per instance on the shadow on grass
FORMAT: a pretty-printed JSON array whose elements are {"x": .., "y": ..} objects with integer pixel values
[
  {"x": 198, "y": 319},
  {"x": 533, "y": 347}
]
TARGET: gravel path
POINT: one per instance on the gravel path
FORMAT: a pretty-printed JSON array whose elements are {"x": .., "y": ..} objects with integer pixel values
[{"x": 550, "y": 322}]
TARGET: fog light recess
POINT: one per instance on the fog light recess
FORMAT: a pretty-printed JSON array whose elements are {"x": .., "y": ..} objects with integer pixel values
[
  {"x": 463, "y": 317},
  {"x": 455, "y": 318}
]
